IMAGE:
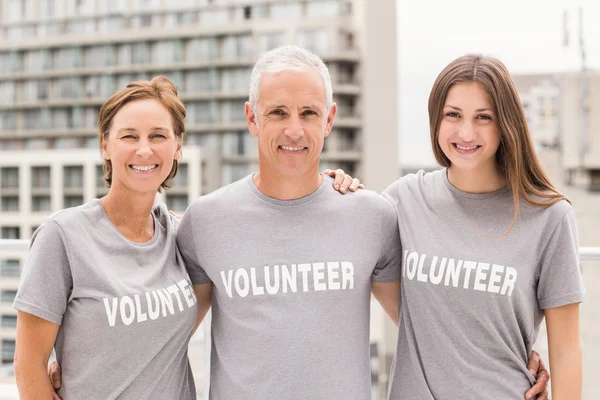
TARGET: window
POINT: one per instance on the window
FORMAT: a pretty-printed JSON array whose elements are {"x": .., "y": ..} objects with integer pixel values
[
  {"x": 232, "y": 111},
  {"x": 51, "y": 8},
  {"x": 41, "y": 204},
  {"x": 139, "y": 53},
  {"x": 203, "y": 112},
  {"x": 234, "y": 172},
  {"x": 7, "y": 93},
  {"x": 235, "y": 80},
  {"x": 112, "y": 23},
  {"x": 237, "y": 144},
  {"x": 100, "y": 182},
  {"x": 286, "y": 11},
  {"x": 346, "y": 73},
  {"x": 99, "y": 56},
  {"x": 91, "y": 117},
  {"x": 84, "y": 7},
  {"x": 319, "y": 9},
  {"x": 37, "y": 144},
  {"x": 8, "y": 120},
  {"x": 50, "y": 29},
  {"x": 36, "y": 60},
  {"x": 9, "y": 177},
  {"x": 143, "y": 21},
  {"x": 181, "y": 179},
  {"x": 346, "y": 106},
  {"x": 72, "y": 201},
  {"x": 167, "y": 52},
  {"x": 180, "y": 18},
  {"x": 73, "y": 177},
  {"x": 177, "y": 202},
  {"x": 67, "y": 58},
  {"x": 99, "y": 86},
  {"x": 66, "y": 118},
  {"x": 11, "y": 232},
  {"x": 203, "y": 49},
  {"x": 17, "y": 10},
  {"x": 9, "y": 203},
  {"x": 204, "y": 81},
  {"x": 68, "y": 88},
  {"x": 8, "y": 351},
  {"x": 40, "y": 177},
  {"x": 214, "y": 17},
  {"x": 8, "y": 296},
  {"x": 347, "y": 140},
  {"x": 9, "y": 321},
  {"x": 81, "y": 27},
  {"x": 145, "y": 4},
  {"x": 270, "y": 40},
  {"x": 35, "y": 90},
  {"x": 314, "y": 40}
]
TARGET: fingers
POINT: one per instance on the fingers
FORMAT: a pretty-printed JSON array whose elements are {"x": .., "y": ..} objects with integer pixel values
[
  {"x": 340, "y": 176},
  {"x": 346, "y": 182},
  {"x": 329, "y": 172},
  {"x": 55, "y": 375},
  {"x": 540, "y": 387},
  {"x": 354, "y": 186},
  {"x": 534, "y": 363}
]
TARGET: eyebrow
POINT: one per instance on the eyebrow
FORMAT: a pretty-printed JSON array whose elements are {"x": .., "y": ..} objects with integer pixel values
[
  {"x": 478, "y": 110},
  {"x": 154, "y": 129}
]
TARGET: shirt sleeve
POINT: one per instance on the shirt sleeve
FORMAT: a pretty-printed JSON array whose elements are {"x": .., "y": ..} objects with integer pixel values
[
  {"x": 188, "y": 249},
  {"x": 47, "y": 283},
  {"x": 560, "y": 281},
  {"x": 390, "y": 258}
]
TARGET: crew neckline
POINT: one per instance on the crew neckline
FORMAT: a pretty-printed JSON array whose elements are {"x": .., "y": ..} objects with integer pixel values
[
  {"x": 474, "y": 196},
  {"x": 114, "y": 228},
  {"x": 287, "y": 203}
]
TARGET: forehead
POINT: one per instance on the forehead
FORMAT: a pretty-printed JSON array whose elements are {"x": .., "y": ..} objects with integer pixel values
[
  {"x": 295, "y": 87},
  {"x": 468, "y": 95},
  {"x": 143, "y": 113}
]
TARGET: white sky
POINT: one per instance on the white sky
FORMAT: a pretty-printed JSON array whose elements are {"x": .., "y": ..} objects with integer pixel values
[{"x": 526, "y": 35}]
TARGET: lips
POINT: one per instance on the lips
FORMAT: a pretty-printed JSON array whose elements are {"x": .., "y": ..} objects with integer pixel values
[
  {"x": 465, "y": 150},
  {"x": 292, "y": 148},
  {"x": 143, "y": 168}
]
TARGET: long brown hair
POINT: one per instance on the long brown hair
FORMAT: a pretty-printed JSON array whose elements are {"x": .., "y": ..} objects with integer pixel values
[
  {"x": 515, "y": 157},
  {"x": 159, "y": 88}
]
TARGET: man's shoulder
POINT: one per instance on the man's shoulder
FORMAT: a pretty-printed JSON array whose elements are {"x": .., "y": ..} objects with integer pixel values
[{"x": 223, "y": 197}]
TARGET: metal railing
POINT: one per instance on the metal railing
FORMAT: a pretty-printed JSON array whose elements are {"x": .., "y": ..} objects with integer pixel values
[{"x": 585, "y": 253}]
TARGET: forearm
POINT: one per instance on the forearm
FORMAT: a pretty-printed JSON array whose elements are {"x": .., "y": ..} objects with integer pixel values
[
  {"x": 566, "y": 375},
  {"x": 32, "y": 380}
]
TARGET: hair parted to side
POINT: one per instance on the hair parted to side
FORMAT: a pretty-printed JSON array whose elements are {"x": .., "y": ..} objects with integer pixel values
[
  {"x": 159, "y": 88},
  {"x": 516, "y": 156},
  {"x": 288, "y": 58}
]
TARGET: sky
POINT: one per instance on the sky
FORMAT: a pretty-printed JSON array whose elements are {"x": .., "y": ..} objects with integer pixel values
[{"x": 526, "y": 35}]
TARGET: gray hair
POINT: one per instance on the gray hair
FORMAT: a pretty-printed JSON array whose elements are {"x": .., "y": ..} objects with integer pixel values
[{"x": 288, "y": 58}]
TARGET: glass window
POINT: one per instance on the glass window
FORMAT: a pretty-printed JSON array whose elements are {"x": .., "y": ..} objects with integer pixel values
[
  {"x": 9, "y": 203},
  {"x": 286, "y": 11},
  {"x": 202, "y": 49},
  {"x": 347, "y": 140},
  {"x": 167, "y": 52},
  {"x": 139, "y": 53},
  {"x": 218, "y": 17},
  {"x": 99, "y": 86},
  {"x": 318, "y": 9},
  {"x": 37, "y": 144},
  {"x": 91, "y": 117},
  {"x": 172, "y": 5},
  {"x": 7, "y": 93},
  {"x": 181, "y": 18},
  {"x": 123, "y": 80},
  {"x": 314, "y": 40},
  {"x": 232, "y": 111},
  {"x": 72, "y": 201},
  {"x": 177, "y": 202},
  {"x": 35, "y": 90},
  {"x": 202, "y": 112},
  {"x": 8, "y": 120},
  {"x": 8, "y": 296},
  {"x": 270, "y": 40},
  {"x": 67, "y": 143},
  {"x": 41, "y": 204},
  {"x": 50, "y": 29},
  {"x": 8, "y": 350},
  {"x": 36, "y": 60},
  {"x": 67, "y": 58},
  {"x": 203, "y": 81},
  {"x": 11, "y": 232},
  {"x": 9, "y": 177},
  {"x": 40, "y": 177},
  {"x": 144, "y": 4},
  {"x": 16, "y": 10},
  {"x": 81, "y": 27},
  {"x": 51, "y": 8},
  {"x": 84, "y": 7},
  {"x": 111, "y": 6},
  {"x": 235, "y": 79},
  {"x": 237, "y": 144},
  {"x": 99, "y": 56},
  {"x": 73, "y": 177},
  {"x": 9, "y": 321},
  {"x": 112, "y": 23},
  {"x": 234, "y": 172},
  {"x": 67, "y": 118},
  {"x": 68, "y": 88},
  {"x": 144, "y": 21},
  {"x": 181, "y": 179}
]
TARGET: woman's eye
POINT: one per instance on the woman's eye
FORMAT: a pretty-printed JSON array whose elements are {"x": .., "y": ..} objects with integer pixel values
[
  {"x": 484, "y": 117},
  {"x": 452, "y": 114},
  {"x": 128, "y": 137},
  {"x": 159, "y": 136}
]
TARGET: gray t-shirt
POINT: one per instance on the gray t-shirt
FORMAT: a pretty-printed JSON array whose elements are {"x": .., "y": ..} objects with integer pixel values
[
  {"x": 472, "y": 303},
  {"x": 126, "y": 310},
  {"x": 292, "y": 287}
]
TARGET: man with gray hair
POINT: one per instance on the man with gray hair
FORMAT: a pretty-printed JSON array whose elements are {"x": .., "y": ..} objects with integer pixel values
[{"x": 290, "y": 262}]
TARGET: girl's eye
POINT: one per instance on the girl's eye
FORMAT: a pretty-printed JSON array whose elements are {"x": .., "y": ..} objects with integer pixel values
[{"x": 484, "y": 116}]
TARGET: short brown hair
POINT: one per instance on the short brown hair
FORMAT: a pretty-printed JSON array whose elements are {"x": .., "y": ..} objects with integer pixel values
[{"x": 159, "y": 88}]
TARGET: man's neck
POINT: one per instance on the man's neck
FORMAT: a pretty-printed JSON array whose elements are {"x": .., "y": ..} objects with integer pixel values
[{"x": 287, "y": 188}]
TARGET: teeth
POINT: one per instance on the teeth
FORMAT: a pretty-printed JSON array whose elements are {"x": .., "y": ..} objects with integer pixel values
[
  {"x": 144, "y": 167},
  {"x": 466, "y": 148},
  {"x": 290, "y": 148}
]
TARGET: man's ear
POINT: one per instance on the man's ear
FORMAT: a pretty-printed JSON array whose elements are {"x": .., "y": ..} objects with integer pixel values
[
  {"x": 330, "y": 118},
  {"x": 251, "y": 119}
]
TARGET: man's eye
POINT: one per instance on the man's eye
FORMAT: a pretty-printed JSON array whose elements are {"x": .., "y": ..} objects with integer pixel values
[
  {"x": 309, "y": 112},
  {"x": 277, "y": 112}
]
